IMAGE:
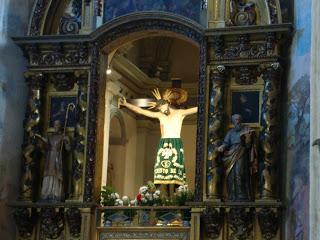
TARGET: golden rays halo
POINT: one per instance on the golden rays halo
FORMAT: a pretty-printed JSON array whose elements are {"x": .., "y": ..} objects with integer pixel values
[{"x": 176, "y": 96}]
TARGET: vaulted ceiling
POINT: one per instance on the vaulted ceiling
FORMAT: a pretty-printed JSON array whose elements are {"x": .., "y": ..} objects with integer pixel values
[{"x": 158, "y": 59}]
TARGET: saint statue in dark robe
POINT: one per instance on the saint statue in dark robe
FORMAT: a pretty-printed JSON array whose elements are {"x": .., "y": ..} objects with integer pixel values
[
  {"x": 239, "y": 160},
  {"x": 52, "y": 188}
]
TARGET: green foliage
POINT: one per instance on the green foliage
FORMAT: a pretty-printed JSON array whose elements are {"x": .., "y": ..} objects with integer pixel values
[
  {"x": 181, "y": 198},
  {"x": 106, "y": 196}
]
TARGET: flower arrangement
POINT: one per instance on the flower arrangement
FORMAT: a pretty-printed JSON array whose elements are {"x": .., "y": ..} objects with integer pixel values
[
  {"x": 148, "y": 195},
  {"x": 183, "y": 194},
  {"x": 109, "y": 197}
]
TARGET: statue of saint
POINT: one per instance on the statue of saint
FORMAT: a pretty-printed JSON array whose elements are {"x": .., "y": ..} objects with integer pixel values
[
  {"x": 169, "y": 168},
  {"x": 238, "y": 160},
  {"x": 52, "y": 184}
]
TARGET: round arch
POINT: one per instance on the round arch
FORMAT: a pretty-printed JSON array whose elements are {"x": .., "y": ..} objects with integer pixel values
[
  {"x": 115, "y": 113},
  {"x": 134, "y": 26}
]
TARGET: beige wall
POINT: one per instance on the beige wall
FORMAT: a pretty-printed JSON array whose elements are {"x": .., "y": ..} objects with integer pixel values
[
  {"x": 188, "y": 136},
  {"x": 117, "y": 162},
  {"x": 129, "y": 187}
]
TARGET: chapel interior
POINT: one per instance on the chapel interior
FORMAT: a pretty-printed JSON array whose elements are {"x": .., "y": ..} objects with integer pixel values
[{"x": 93, "y": 94}]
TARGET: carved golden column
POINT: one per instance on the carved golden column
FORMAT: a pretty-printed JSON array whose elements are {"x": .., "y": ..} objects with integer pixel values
[
  {"x": 270, "y": 134},
  {"x": 216, "y": 13},
  {"x": 217, "y": 78},
  {"x": 31, "y": 127},
  {"x": 79, "y": 136}
]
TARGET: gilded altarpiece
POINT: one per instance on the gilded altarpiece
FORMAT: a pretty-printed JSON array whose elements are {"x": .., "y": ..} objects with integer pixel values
[
  {"x": 240, "y": 72},
  {"x": 244, "y": 76}
]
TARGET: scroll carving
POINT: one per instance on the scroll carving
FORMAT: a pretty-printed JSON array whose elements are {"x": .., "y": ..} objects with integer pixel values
[
  {"x": 213, "y": 221},
  {"x": 51, "y": 222},
  {"x": 242, "y": 13},
  {"x": 73, "y": 217},
  {"x": 269, "y": 221},
  {"x": 240, "y": 224}
]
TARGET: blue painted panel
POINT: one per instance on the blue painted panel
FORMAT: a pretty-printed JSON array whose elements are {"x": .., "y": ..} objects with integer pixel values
[
  {"x": 298, "y": 124},
  {"x": 187, "y": 8}
]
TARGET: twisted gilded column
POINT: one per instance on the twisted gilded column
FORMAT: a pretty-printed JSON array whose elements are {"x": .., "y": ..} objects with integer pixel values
[
  {"x": 270, "y": 134},
  {"x": 31, "y": 127},
  {"x": 217, "y": 78},
  {"x": 79, "y": 135}
]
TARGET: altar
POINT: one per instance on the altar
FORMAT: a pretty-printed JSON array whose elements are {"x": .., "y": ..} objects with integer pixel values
[{"x": 92, "y": 164}]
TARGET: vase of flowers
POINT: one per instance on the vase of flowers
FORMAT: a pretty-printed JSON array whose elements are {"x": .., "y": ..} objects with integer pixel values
[{"x": 148, "y": 195}]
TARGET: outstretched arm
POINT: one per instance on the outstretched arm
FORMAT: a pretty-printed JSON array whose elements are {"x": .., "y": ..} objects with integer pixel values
[
  {"x": 189, "y": 111},
  {"x": 147, "y": 113}
]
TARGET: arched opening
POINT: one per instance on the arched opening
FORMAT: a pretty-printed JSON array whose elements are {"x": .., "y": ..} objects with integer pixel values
[
  {"x": 116, "y": 154},
  {"x": 139, "y": 63}
]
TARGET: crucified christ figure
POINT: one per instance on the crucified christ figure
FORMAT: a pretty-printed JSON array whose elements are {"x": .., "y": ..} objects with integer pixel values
[{"x": 169, "y": 168}]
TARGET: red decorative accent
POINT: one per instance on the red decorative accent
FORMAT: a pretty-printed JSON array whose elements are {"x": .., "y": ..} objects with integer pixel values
[{"x": 139, "y": 198}]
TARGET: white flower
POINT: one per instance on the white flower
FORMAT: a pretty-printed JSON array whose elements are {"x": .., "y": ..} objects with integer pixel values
[
  {"x": 143, "y": 189},
  {"x": 133, "y": 202},
  {"x": 117, "y": 195},
  {"x": 126, "y": 200},
  {"x": 155, "y": 196},
  {"x": 113, "y": 196},
  {"x": 148, "y": 196},
  {"x": 157, "y": 192},
  {"x": 118, "y": 202},
  {"x": 182, "y": 188}
]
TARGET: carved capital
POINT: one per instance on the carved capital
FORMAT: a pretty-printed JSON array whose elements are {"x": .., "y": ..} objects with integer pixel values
[
  {"x": 271, "y": 43},
  {"x": 35, "y": 80},
  {"x": 217, "y": 74},
  {"x": 270, "y": 69},
  {"x": 216, "y": 47},
  {"x": 81, "y": 77}
]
